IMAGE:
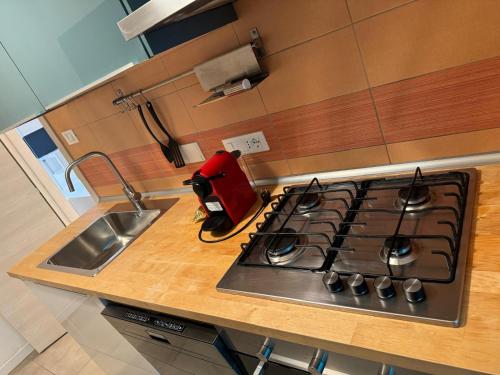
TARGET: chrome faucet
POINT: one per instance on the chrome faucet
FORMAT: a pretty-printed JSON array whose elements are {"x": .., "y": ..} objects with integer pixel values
[{"x": 133, "y": 196}]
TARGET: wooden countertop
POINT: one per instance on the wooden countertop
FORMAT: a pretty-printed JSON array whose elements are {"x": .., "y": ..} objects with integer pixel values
[{"x": 167, "y": 269}]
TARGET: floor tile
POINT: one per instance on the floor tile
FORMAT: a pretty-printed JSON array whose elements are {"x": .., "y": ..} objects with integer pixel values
[
  {"x": 63, "y": 357},
  {"x": 30, "y": 368},
  {"x": 91, "y": 368},
  {"x": 113, "y": 366}
]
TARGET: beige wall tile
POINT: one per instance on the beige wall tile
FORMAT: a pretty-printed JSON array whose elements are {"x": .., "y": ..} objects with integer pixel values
[
  {"x": 365, "y": 8},
  {"x": 269, "y": 169},
  {"x": 426, "y": 36},
  {"x": 358, "y": 158},
  {"x": 136, "y": 120},
  {"x": 61, "y": 119},
  {"x": 184, "y": 57},
  {"x": 87, "y": 142},
  {"x": 446, "y": 146},
  {"x": 142, "y": 76},
  {"x": 117, "y": 133},
  {"x": 69, "y": 115},
  {"x": 285, "y": 23},
  {"x": 99, "y": 102},
  {"x": 172, "y": 113},
  {"x": 223, "y": 112},
  {"x": 319, "y": 69}
]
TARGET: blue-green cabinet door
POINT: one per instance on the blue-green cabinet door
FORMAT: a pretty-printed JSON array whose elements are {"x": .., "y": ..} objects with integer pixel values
[
  {"x": 61, "y": 46},
  {"x": 17, "y": 101}
]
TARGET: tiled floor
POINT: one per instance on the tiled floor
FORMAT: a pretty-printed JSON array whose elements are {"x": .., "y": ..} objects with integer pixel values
[{"x": 64, "y": 357}]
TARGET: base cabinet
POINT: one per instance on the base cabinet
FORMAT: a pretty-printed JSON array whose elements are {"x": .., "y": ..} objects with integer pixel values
[{"x": 107, "y": 348}]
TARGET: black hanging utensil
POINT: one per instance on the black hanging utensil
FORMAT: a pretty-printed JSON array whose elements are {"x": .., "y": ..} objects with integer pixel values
[
  {"x": 164, "y": 149},
  {"x": 172, "y": 143}
]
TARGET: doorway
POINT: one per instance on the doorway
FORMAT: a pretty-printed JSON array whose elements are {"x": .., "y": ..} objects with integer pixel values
[{"x": 45, "y": 163}]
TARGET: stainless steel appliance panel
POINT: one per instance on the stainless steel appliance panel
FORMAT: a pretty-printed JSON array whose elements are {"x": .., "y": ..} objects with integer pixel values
[
  {"x": 173, "y": 344},
  {"x": 345, "y": 232}
]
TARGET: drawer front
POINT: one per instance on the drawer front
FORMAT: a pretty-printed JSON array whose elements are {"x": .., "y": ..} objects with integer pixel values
[
  {"x": 164, "y": 341},
  {"x": 169, "y": 360}
]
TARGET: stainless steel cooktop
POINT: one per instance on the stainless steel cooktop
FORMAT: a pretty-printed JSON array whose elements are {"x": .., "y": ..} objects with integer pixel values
[{"x": 391, "y": 246}]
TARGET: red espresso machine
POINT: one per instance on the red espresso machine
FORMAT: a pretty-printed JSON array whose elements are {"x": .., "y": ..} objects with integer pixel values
[{"x": 223, "y": 190}]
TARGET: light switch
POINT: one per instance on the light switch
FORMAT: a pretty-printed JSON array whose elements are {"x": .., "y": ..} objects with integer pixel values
[
  {"x": 191, "y": 153},
  {"x": 70, "y": 137}
]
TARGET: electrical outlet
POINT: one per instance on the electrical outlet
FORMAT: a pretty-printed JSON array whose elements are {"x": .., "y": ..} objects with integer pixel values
[{"x": 247, "y": 143}]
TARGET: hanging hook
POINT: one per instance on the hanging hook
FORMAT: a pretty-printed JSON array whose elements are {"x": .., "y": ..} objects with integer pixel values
[
  {"x": 129, "y": 104},
  {"x": 143, "y": 96}
]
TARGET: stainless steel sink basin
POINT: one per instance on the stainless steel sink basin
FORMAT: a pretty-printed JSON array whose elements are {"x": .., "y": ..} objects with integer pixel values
[{"x": 95, "y": 247}]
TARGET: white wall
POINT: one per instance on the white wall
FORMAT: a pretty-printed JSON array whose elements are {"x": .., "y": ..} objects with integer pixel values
[
  {"x": 13, "y": 347},
  {"x": 26, "y": 222}
]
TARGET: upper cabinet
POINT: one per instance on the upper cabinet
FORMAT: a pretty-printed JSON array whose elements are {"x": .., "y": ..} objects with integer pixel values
[
  {"x": 62, "y": 46},
  {"x": 17, "y": 101}
]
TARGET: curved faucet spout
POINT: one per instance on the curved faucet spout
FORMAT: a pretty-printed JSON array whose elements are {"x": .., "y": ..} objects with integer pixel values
[{"x": 133, "y": 196}]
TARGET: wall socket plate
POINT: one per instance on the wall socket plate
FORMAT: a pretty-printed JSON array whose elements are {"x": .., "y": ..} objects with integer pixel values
[
  {"x": 70, "y": 137},
  {"x": 247, "y": 143}
]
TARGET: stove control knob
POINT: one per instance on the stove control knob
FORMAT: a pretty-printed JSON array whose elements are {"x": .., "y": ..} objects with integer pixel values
[
  {"x": 414, "y": 290},
  {"x": 384, "y": 287},
  {"x": 333, "y": 282},
  {"x": 357, "y": 284}
]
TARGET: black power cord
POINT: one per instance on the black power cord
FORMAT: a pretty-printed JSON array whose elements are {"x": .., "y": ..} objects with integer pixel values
[{"x": 265, "y": 196}]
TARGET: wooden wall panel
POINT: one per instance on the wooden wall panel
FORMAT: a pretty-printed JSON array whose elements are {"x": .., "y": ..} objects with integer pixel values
[
  {"x": 336, "y": 124},
  {"x": 450, "y": 101},
  {"x": 349, "y": 81}
]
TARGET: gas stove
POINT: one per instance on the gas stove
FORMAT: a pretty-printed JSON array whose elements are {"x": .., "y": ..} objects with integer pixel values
[{"x": 395, "y": 247}]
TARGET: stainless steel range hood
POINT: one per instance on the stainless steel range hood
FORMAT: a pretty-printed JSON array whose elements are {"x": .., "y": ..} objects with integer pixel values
[{"x": 162, "y": 12}]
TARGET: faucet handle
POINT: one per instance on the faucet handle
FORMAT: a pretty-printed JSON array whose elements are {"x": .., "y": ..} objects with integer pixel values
[{"x": 136, "y": 195}]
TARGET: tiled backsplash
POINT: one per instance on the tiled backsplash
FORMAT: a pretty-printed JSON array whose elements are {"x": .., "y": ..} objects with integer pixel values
[{"x": 352, "y": 83}]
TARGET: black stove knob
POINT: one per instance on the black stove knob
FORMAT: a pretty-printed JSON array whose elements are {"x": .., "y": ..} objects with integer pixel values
[
  {"x": 357, "y": 284},
  {"x": 384, "y": 287},
  {"x": 414, "y": 290},
  {"x": 333, "y": 282}
]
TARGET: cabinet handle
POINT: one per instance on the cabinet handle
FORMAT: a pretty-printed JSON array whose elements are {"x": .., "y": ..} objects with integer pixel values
[
  {"x": 259, "y": 370},
  {"x": 318, "y": 362},
  {"x": 158, "y": 337},
  {"x": 265, "y": 350},
  {"x": 263, "y": 355},
  {"x": 386, "y": 369}
]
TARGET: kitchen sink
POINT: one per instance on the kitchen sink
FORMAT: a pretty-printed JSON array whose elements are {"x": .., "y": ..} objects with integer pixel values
[{"x": 104, "y": 239}]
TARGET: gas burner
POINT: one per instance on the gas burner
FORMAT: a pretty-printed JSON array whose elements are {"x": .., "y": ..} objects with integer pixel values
[
  {"x": 404, "y": 251},
  {"x": 309, "y": 201},
  {"x": 419, "y": 198},
  {"x": 359, "y": 228},
  {"x": 282, "y": 248}
]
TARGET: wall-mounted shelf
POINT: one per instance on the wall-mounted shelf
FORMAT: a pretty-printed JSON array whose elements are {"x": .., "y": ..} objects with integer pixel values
[{"x": 226, "y": 75}]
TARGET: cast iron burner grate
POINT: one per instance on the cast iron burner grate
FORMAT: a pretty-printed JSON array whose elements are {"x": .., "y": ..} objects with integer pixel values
[{"x": 351, "y": 195}]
